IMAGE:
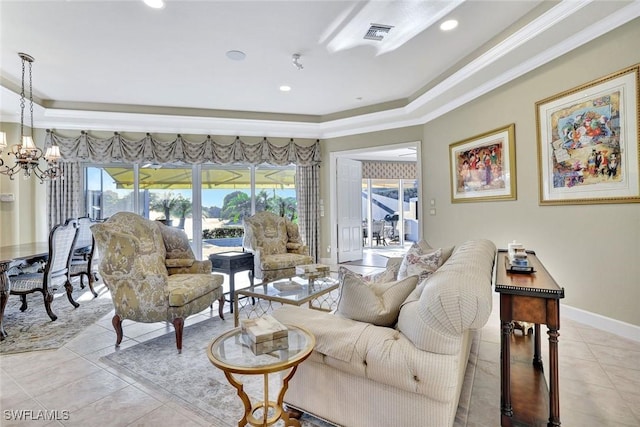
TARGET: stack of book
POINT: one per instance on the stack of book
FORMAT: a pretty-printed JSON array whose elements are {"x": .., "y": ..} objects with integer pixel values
[
  {"x": 264, "y": 334},
  {"x": 518, "y": 260}
]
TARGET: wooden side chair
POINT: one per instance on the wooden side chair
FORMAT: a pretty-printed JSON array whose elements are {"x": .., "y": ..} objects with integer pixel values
[
  {"x": 84, "y": 257},
  {"x": 56, "y": 271}
]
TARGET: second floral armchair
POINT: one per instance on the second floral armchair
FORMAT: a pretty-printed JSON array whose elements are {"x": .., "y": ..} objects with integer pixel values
[{"x": 276, "y": 245}]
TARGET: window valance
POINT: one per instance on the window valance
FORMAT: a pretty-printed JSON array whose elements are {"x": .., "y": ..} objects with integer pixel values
[
  {"x": 150, "y": 150},
  {"x": 389, "y": 170}
]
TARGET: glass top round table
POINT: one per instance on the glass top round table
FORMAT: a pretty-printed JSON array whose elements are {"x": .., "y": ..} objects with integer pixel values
[{"x": 230, "y": 353}]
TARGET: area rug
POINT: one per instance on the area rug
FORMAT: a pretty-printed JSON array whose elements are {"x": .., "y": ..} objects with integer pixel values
[
  {"x": 191, "y": 380},
  {"x": 33, "y": 330}
]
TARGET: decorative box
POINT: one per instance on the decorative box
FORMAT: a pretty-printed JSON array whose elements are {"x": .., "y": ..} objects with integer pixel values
[{"x": 264, "y": 334}]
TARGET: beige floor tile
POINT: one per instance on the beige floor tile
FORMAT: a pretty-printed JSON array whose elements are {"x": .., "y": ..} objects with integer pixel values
[
  {"x": 609, "y": 355},
  {"x": 601, "y": 403},
  {"x": 120, "y": 408},
  {"x": 75, "y": 395},
  {"x": 166, "y": 416},
  {"x": 53, "y": 377}
]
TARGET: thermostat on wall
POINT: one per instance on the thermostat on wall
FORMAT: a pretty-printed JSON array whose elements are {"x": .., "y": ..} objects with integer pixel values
[{"x": 7, "y": 197}]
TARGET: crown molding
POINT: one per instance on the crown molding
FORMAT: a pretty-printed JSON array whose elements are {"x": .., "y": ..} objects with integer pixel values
[{"x": 421, "y": 110}]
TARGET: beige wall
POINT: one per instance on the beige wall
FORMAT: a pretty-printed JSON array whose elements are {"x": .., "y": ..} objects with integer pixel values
[
  {"x": 21, "y": 221},
  {"x": 593, "y": 251}
]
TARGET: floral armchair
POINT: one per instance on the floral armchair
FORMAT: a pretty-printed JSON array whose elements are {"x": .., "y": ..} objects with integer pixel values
[
  {"x": 152, "y": 273},
  {"x": 276, "y": 245}
]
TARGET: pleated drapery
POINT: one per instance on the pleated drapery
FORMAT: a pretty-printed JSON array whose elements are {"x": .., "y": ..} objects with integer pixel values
[
  {"x": 63, "y": 195},
  {"x": 308, "y": 191},
  {"x": 150, "y": 150}
]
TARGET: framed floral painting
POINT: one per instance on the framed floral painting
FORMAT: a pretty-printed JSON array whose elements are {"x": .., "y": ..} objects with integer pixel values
[
  {"x": 483, "y": 167},
  {"x": 588, "y": 142}
]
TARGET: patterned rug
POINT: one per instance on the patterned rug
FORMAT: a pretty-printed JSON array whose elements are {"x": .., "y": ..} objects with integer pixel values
[
  {"x": 33, "y": 330},
  {"x": 191, "y": 380}
]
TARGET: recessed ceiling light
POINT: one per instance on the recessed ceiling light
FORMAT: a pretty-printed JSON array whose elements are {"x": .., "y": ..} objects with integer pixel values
[
  {"x": 285, "y": 88},
  {"x": 449, "y": 25},
  {"x": 155, "y": 4},
  {"x": 236, "y": 55}
]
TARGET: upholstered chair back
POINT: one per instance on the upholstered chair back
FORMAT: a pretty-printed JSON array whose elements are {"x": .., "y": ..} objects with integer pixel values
[{"x": 267, "y": 231}]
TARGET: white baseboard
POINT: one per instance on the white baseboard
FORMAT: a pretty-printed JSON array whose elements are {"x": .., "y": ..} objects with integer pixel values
[{"x": 607, "y": 324}]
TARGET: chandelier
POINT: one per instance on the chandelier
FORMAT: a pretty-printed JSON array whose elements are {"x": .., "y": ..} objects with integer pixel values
[{"x": 27, "y": 155}]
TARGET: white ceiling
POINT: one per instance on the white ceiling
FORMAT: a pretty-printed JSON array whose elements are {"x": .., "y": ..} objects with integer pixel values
[{"x": 119, "y": 65}]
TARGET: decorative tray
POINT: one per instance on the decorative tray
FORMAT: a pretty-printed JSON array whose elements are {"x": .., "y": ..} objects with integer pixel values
[{"x": 518, "y": 269}]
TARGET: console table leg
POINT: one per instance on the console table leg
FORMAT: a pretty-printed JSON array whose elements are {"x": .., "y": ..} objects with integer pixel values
[
  {"x": 537, "y": 358},
  {"x": 505, "y": 369},
  {"x": 554, "y": 398}
]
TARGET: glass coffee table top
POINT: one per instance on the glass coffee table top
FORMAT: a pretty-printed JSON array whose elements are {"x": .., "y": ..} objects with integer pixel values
[
  {"x": 229, "y": 352},
  {"x": 294, "y": 289},
  {"x": 297, "y": 291}
]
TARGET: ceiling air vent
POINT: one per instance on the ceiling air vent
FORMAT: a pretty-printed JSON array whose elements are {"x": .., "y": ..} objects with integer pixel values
[{"x": 377, "y": 31}]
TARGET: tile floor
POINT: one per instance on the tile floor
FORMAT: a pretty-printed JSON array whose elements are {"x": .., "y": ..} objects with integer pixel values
[{"x": 599, "y": 380}]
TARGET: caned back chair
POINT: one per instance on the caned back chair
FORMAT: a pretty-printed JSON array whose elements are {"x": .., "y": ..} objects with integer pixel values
[{"x": 56, "y": 271}]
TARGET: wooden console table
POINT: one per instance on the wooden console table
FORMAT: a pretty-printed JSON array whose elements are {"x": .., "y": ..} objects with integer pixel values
[{"x": 534, "y": 298}]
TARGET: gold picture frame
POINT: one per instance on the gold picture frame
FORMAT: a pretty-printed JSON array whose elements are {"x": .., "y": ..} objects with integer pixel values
[
  {"x": 483, "y": 167},
  {"x": 588, "y": 142}
]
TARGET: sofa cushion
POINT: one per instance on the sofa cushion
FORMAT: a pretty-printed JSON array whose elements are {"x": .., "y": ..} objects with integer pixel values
[
  {"x": 376, "y": 303},
  {"x": 389, "y": 274},
  {"x": 419, "y": 262}
]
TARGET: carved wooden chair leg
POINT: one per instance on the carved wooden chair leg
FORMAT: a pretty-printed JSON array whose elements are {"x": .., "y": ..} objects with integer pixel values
[
  {"x": 23, "y": 306},
  {"x": 48, "y": 299},
  {"x": 117, "y": 325},
  {"x": 178, "y": 324},
  {"x": 93, "y": 291},
  {"x": 221, "y": 307},
  {"x": 69, "y": 289}
]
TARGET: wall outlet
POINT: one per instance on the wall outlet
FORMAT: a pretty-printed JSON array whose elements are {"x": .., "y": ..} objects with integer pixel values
[{"x": 328, "y": 249}]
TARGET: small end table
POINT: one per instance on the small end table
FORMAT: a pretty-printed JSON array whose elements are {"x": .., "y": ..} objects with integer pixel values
[
  {"x": 229, "y": 353},
  {"x": 231, "y": 263}
]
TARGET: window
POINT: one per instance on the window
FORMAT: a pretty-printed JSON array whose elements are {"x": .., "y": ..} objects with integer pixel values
[{"x": 226, "y": 194}]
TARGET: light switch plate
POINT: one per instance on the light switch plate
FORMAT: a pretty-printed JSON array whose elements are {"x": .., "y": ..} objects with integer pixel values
[{"x": 7, "y": 197}]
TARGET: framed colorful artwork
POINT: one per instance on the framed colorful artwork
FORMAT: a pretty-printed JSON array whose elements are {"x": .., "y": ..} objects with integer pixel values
[
  {"x": 483, "y": 167},
  {"x": 588, "y": 142}
]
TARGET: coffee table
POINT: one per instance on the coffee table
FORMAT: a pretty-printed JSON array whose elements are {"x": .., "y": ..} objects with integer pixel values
[
  {"x": 295, "y": 291},
  {"x": 229, "y": 353}
]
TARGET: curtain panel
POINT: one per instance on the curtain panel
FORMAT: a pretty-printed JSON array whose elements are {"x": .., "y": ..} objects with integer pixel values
[
  {"x": 64, "y": 195},
  {"x": 308, "y": 191},
  {"x": 150, "y": 150}
]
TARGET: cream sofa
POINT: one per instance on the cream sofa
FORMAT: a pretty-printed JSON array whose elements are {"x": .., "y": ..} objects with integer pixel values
[{"x": 362, "y": 375}]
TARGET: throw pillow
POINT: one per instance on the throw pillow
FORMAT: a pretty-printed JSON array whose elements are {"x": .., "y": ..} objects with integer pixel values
[
  {"x": 375, "y": 303},
  {"x": 176, "y": 243},
  {"x": 388, "y": 275},
  {"x": 293, "y": 232},
  {"x": 420, "y": 263}
]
